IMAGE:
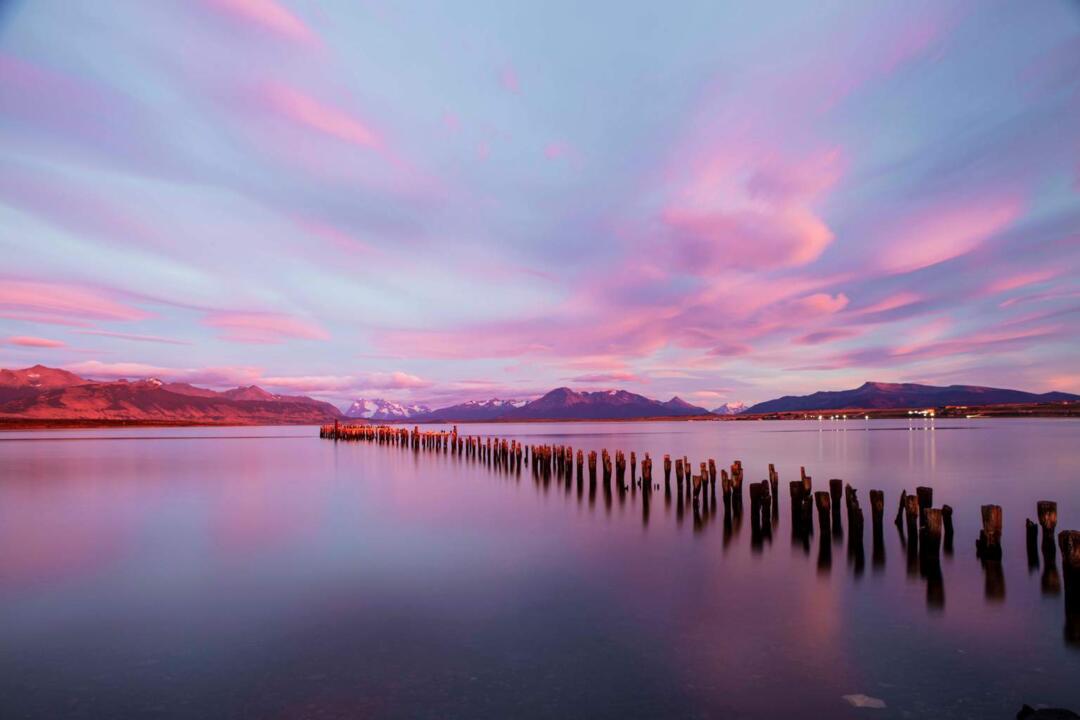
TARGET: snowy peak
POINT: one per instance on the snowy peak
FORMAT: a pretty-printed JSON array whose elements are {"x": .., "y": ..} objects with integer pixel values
[
  {"x": 494, "y": 403},
  {"x": 381, "y": 409},
  {"x": 730, "y": 408}
]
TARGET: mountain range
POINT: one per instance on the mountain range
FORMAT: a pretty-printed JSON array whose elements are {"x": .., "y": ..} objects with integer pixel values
[
  {"x": 473, "y": 411},
  {"x": 566, "y": 404},
  {"x": 380, "y": 409},
  {"x": 48, "y": 395},
  {"x": 880, "y": 396}
]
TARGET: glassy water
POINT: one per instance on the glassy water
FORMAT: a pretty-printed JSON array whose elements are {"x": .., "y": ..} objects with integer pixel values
[{"x": 263, "y": 572}]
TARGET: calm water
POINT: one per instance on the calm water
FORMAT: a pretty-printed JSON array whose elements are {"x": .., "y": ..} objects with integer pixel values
[{"x": 262, "y": 572}]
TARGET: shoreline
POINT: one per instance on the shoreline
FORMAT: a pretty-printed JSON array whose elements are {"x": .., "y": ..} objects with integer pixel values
[{"x": 1065, "y": 411}]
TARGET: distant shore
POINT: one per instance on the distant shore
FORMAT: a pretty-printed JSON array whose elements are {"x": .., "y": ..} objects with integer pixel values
[{"x": 1037, "y": 410}]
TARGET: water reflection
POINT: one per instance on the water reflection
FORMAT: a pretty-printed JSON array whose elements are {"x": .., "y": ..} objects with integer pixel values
[{"x": 439, "y": 558}]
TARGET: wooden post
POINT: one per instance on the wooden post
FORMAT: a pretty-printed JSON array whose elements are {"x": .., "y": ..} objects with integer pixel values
[
  {"x": 822, "y": 500},
  {"x": 1031, "y": 531},
  {"x": 926, "y": 501},
  {"x": 877, "y": 507},
  {"x": 1069, "y": 541},
  {"x": 988, "y": 546},
  {"x": 900, "y": 510},
  {"x": 931, "y": 532},
  {"x": 1047, "y": 514},
  {"x": 911, "y": 511}
]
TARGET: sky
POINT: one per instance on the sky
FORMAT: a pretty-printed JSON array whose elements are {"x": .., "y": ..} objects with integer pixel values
[{"x": 441, "y": 201}]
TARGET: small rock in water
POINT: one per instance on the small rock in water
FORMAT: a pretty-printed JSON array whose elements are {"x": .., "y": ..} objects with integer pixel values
[{"x": 865, "y": 701}]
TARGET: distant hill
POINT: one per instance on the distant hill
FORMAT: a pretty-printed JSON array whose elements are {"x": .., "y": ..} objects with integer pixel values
[
  {"x": 878, "y": 395},
  {"x": 49, "y": 395},
  {"x": 731, "y": 408},
  {"x": 380, "y": 409},
  {"x": 566, "y": 404},
  {"x": 473, "y": 411}
]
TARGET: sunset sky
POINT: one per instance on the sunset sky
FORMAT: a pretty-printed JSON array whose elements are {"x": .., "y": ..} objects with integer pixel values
[{"x": 439, "y": 201}]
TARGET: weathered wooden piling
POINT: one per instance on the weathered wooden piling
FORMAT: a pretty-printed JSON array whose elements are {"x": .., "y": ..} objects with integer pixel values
[
  {"x": 900, "y": 510},
  {"x": 877, "y": 507},
  {"x": 667, "y": 469},
  {"x": 1046, "y": 510},
  {"x": 926, "y": 501},
  {"x": 931, "y": 532},
  {"x": 1069, "y": 542},
  {"x": 988, "y": 546},
  {"x": 823, "y": 501},
  {"x": 877, "y": 511},
  {"x": 1031, "y": 533},
  {"x": 911, "y": 512}
]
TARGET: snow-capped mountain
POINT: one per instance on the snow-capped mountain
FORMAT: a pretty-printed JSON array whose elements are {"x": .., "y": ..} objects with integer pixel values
[
  {"x": 566, "y": 404},
  {"x": 474, "y": 410},
  {"x": 731, "y": 408},
  {"x": 380, "y": 409}
]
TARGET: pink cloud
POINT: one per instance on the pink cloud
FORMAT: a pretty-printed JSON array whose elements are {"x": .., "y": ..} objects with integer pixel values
[
  {"x": 611, "y": 377},
  {"x": 256, "y": 327},
  {"x": 341, "y": 240},
  {"x": 1020, "y": 280},
  {"x": 825, "y": 336},
  {"x": 346, "y": 384},
  {"x": 892, "y": 302},
  {"x": 730, "y": 350},
  {"x": 508, "y": 79},
  {"x": 228, "y": 376},
  {"x": 134, "y": 336},
  {"x": 556, "y": 149},
  {"x": 748, "y": 239},
  {"x": 58, "y": 303},
  {"x": 818, "y": 304},
  {"x": 268, "y": 15},
  {"x": 34, "y": 342},
  {"x": 308, "y": 112},
  {"x": 944, "y": 233},
  {"x": 742, "y": 206}
]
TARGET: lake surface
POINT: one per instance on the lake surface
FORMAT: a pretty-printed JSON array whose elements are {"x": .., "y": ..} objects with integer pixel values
[{"x": 263, "y": 572}]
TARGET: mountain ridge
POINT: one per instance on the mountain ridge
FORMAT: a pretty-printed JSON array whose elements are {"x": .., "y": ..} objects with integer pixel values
[
  {"x": 881, "y": 396},
  {"x": 48, "y": 395}
]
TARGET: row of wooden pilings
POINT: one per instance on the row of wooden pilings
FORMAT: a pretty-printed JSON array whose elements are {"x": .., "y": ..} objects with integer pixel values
[{"x": 924, "y": 529}]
